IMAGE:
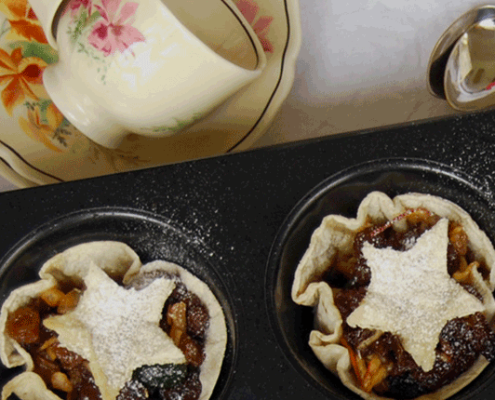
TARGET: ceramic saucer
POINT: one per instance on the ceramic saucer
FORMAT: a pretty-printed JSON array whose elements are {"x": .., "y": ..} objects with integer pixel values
[{"x": 38, "y": 146}]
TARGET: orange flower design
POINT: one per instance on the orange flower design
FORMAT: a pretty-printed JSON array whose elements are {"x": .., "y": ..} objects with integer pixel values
[
  {"x": 39, "y": 130},
  {"x": 23, "y": 21},
  {"x": 23, "y": 77}
]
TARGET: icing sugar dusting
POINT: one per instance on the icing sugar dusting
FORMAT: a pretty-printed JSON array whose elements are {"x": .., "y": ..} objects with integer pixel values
[
  {"x": 120, "y": 328},
  {"x": 412, "y": 295},
  {"x": 409, "y": 243}
]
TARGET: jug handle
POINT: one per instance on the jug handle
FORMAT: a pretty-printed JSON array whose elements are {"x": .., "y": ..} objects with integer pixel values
[{"x": 48, "y": 13}]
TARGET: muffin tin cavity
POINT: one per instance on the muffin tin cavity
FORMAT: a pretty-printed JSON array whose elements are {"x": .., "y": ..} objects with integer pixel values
[
  {"x": 150, "y": 236},
  {"x": 342, "y": 194}
]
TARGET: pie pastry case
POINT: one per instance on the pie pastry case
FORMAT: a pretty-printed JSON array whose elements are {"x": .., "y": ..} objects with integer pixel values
[{"x": 241, "y": 222}]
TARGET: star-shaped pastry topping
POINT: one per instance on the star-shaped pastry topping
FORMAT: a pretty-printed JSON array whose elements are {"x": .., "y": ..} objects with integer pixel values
[
  {"x": 412, "y": 295},
  {"x": 117, "y": 329}
]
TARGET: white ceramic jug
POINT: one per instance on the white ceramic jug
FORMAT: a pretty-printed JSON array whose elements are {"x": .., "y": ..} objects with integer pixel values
[{"x": 150, "y": 67}]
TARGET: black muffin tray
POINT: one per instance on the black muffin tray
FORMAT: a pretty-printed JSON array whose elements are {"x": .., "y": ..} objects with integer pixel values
[{"x": 241, "y": 222}]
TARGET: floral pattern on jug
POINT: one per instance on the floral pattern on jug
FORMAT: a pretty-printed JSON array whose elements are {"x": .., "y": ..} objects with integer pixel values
[
  {"x": 103, "y": 28},
  {"x": 110, "y": 24}
]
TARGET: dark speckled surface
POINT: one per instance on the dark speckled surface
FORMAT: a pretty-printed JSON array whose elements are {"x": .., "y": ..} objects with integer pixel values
[{"x": 220, "y": 216}]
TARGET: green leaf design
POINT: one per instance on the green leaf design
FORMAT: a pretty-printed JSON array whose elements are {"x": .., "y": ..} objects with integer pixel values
[
  {"x": 82, "y": 22},
  {"x": 92, "y": 19},
  {"x": 79, "y": 26},
  {"x": 43, "y": 105},
  {"x": 180, "y": 124},
  {"x": 61, "y": 134},
  {"x": 36, "y": 49}
]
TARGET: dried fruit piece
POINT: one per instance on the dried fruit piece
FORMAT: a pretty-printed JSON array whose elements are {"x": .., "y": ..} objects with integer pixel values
[
  {"x": 60, "y": 381},
  {"x": 52, "y": 296},
  {"x": 155, "y": 377},
  {"x": 192, "y": 350},
  {"x": 459, "y": 240},
  {"x": 23, "y": 325},
  {"x": 69, "y": 301},
  {"x": 133, "y": 390},
  {"x": 176, "y": 318}
]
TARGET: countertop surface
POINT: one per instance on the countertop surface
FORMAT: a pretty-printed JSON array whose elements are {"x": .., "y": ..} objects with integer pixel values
[{"x": 363, "y": 65}]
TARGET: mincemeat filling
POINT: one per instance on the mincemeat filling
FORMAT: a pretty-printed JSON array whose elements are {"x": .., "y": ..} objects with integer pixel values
[
  {"x": 378, "y": 359},
  {"x": 184, "y": 318}
]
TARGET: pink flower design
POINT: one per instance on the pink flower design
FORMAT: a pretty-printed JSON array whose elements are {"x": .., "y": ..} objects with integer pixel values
[
  {"x": 115, "y": 32},
  {"x": 249, "y": 8},
  {"x": 75, "y": 5}
]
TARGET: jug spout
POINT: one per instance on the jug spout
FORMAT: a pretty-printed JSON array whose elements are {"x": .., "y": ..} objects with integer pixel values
[{"x": 47, "y": 11}]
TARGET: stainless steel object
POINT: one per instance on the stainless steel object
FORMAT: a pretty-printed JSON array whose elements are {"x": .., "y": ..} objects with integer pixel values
[
  {"x": 470, "y": 72},
  {"x": 467, "y": 25}
]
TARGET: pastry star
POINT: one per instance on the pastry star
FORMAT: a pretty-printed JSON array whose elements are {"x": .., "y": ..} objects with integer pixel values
[
  {"x": 117, "y": 329},
  {"x": 412, "y": 295}
]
